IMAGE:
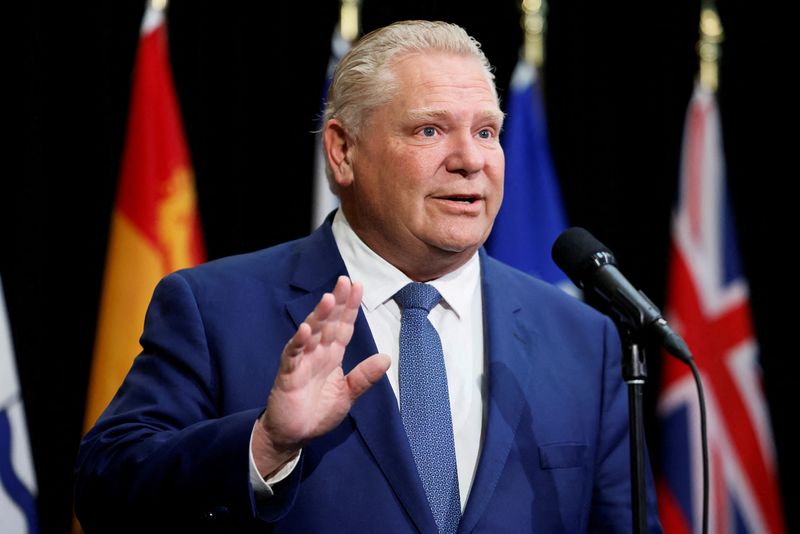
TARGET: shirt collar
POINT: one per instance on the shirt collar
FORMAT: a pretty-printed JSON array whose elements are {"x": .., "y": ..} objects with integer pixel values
[{"x": 382, "y": 280}]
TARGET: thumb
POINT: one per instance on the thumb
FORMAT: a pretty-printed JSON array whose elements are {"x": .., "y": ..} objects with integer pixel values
[{"x": 366, "y": 374}]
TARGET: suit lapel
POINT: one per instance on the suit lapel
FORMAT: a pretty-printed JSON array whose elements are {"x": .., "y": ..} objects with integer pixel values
[
  {"x": 375, "y": 414},
  {"x": 510, "y": 347}
]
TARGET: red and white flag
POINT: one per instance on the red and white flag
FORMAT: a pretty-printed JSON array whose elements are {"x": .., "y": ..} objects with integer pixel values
[{"x": 708, "y": 304}]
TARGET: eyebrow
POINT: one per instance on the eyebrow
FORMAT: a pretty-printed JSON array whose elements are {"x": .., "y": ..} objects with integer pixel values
[{"x": 425, "y": 114}]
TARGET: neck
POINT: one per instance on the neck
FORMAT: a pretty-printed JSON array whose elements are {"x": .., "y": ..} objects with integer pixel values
[{"x": 422, "y": 263}]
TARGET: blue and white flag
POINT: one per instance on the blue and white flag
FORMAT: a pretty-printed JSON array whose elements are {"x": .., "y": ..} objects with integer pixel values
[
  {"x": 532, "y": 215},
  {"x": 17, "y": 480},
  {"x": 324, "y": 201}
]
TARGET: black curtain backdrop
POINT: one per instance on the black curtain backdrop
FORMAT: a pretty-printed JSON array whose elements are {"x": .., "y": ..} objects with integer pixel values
[{"x": 617, "y": 82}]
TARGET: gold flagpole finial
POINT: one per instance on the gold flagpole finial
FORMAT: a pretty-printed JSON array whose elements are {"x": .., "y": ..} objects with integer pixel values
[
  {"x": 708, "y": 47},
  {"x": 349, "y": 23},
  {"x": 533, "y": 22}
]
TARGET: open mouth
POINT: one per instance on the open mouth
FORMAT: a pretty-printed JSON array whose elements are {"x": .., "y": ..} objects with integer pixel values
[{"x": 463, "y": 199}]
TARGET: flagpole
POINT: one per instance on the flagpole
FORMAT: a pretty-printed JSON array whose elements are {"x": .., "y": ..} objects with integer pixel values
[
  {"x": 534, "y": 23},
  {"x": 708, "y": 47},
  {"x": 349, "y": 20}
]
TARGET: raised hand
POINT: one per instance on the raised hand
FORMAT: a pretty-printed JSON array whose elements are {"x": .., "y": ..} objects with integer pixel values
[{"x": 311, "y": 394}]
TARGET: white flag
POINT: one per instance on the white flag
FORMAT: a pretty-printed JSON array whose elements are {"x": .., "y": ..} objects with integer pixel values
[{"x": 17, "y": 480}]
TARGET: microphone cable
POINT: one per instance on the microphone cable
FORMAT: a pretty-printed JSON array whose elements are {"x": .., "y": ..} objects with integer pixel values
[{"x": 591, "y": 265}]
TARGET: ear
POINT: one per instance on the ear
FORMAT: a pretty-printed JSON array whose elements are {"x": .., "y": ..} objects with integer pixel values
[{"x": 339, "y": 151}]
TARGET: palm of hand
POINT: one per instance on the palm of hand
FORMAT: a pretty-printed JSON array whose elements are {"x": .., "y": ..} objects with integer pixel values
[{"x": 311, "y": 394}]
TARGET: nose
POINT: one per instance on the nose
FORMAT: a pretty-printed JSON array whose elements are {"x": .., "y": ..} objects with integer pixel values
[{"x": 466, "y": 155}]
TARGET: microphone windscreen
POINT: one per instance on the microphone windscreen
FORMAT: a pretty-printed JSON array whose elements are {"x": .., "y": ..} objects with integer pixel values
[{"x": 573, "y": 252}]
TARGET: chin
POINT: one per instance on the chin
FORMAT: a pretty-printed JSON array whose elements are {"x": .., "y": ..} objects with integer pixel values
[
  {"x": 465, "y": 242},
  {"x": 459, "y": 246}
]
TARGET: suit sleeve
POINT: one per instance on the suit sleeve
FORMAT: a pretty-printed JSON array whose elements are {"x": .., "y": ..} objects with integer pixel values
[
  {"x": 611, "y": 499},
  {"x": 163, "y": 453}
]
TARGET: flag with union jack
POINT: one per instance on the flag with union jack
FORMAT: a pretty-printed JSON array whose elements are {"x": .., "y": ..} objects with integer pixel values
[{"x": 708, "y": 304}]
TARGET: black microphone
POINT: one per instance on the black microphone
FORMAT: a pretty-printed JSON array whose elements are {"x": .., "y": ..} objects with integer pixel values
[{"x": 591, "y": 266}]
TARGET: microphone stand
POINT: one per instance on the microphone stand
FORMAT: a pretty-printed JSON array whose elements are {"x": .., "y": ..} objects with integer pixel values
[{"x": 634, "y": 372}]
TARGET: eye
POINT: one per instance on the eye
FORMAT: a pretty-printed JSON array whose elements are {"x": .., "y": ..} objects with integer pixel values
[
  {"x": 428, "y": 131},
  {"x": 485, "y": 133}
]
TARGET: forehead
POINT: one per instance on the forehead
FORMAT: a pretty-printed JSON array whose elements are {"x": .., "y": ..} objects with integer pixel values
[{"x": 423, "y": 78}]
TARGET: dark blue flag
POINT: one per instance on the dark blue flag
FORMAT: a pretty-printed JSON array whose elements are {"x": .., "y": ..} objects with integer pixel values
[{"x": 532, "y": 215}]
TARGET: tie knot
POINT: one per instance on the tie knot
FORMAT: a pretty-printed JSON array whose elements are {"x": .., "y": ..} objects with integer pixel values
[{"x": 416, "y": 295}]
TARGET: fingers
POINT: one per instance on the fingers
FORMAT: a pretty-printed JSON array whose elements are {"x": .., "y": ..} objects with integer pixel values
[
  {"x": 366, "y": 374},
  {"x": 295, "y": 347},
  {"x": 331, "y": 321},
  {"x": 333, "y": 318}
]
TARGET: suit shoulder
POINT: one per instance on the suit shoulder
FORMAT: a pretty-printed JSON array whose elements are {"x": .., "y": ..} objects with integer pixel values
[
  {"x": 542, "y": 295},
  {"x": 266, "y": 267},
  {"x": 255, "y": 263}
]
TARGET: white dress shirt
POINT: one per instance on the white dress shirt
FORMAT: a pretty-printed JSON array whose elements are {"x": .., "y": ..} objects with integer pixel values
[{"x": 458, "y": 318}]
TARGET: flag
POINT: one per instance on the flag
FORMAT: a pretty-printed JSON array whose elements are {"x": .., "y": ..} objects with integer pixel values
[
  {"x": 708, "y": 303},
  {"x": 155, "y": 226},
  {"x": 532, "y": 215},
  {"x": 17, "y": 479},
  {"x": 324, "y": 201}
]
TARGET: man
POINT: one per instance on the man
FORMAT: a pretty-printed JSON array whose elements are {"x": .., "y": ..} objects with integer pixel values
[{"x": 527, "y": 431}]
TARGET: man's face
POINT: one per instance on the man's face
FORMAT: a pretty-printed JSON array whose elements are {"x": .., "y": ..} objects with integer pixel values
[{"x": 427, "y": 170}]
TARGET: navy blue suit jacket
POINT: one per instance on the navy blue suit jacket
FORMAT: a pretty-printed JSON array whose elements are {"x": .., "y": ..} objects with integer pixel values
[{"x": 172, "y": 448}]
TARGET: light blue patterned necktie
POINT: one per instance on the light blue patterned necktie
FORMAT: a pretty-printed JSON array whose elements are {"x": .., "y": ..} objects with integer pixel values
[{"x": 425, "y": 404}]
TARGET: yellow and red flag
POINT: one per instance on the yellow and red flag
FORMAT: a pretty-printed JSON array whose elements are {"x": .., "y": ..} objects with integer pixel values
[{"x": 155, "y": 227}]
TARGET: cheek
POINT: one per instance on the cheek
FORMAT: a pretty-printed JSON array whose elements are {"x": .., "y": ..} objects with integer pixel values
[
  {"x": 421, "y": 162},
  {"x": 498, "y": 166},
  {"x": 499, "y": 192},
  {"x": 497, "y": 178}
]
